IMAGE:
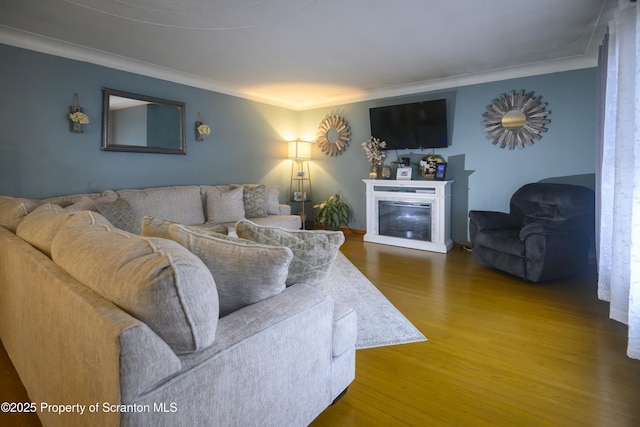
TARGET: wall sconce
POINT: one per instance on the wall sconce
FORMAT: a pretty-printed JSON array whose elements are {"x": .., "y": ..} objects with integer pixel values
[
  {"x": 76, "y": 117},
  {"x": 300, "y": 185},
  {"x": 202, "y": 130}
]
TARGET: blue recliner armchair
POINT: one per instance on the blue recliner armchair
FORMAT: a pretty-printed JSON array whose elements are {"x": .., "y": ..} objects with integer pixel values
[{"x": 545, "y": 236}]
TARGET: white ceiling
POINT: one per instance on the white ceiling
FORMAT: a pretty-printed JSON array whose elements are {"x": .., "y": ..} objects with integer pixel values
[{"x": 304, "y": 54}]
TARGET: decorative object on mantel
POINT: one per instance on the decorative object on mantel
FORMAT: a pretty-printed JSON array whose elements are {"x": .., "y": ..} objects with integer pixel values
[
  {"x": 428, "y": 165},
  {"x": 202, "y": 130},
  {"x": 441, "y": 172},
  {"x": 385, "y": 172},
  {"x": 333, "y": 135},
  {"x": 76, "y": 117},
  {"x": 374, "y": 149},
  {"x": 403, "y": 173},
  {"x": 515, "y": 119}
]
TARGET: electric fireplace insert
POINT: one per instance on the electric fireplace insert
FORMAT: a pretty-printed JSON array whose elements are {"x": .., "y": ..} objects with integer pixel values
[{"x": 408, "y": 220}]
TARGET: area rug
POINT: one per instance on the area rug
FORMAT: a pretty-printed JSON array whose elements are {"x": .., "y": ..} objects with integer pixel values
[{"x": 379, "y": 322}]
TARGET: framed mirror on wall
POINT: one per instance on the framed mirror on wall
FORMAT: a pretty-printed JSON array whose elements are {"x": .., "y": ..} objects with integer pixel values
[{"x": 143, "y": 124}]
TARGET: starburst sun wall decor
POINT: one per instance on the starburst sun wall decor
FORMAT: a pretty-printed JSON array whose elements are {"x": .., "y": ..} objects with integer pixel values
[{"x": 516, "y": 119}]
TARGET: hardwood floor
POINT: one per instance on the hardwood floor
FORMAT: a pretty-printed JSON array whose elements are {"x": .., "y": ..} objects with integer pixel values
[{"x": 501, "y": 352}]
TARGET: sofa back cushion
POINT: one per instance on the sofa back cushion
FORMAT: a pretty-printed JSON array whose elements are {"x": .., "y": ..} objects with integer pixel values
[
  {"x": 245, "y": 272},
  {"x": 82, "y": 202},
  {"x": 87, "y": 203},
  {"x": 181, "y": 204},
  {"x": 41, "y": 225},
  {"x": 155, "y": 280},
  {"x": 13, "y": 210}
]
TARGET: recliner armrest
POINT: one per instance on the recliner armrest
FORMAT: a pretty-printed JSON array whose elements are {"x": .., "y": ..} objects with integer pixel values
[
  {"x": 487, "y": 220},
  {"x": 551, "y": 228}
]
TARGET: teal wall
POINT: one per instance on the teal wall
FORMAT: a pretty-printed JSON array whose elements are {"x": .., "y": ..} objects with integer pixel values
[{"x": 39, "y": 157}]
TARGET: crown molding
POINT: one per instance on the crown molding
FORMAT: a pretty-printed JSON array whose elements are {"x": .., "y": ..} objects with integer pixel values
[
  {"x": 38, "y": 43},
  {"x": 529, "y": 70}
]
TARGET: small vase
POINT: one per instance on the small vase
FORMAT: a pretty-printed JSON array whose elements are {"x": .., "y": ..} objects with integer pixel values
[
  {"x": 386, "y": 172},
  {"x": 373, "y": 172}
]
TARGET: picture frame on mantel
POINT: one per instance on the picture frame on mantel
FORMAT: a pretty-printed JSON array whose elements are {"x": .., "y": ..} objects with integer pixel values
[
  {"x": 441, "y": 172},
  {"x": 403, "y": 174}
]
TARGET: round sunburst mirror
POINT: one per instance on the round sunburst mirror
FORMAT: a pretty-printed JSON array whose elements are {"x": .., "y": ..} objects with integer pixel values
[
  {"x": 333, "y": 135},
  {"x": 516, "y": 119}
]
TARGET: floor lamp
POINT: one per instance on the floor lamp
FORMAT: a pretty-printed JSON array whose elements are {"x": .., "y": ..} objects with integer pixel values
[{"x": 300, "y": 185}]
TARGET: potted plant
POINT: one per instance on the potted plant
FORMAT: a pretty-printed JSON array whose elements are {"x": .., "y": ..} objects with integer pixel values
[{"x": 332, "y": 213}]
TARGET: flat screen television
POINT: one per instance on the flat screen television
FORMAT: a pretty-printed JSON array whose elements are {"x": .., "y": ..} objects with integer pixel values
[{"x": 411, "y": 126}]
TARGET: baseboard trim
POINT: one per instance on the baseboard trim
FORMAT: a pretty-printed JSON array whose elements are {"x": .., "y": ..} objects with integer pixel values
[
  {"x": 353, "y": 231},
  {"x": 462, "y": 245}
]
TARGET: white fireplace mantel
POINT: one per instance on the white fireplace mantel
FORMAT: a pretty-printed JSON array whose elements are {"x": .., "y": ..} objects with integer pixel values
[{"x": 436, "y": 193}]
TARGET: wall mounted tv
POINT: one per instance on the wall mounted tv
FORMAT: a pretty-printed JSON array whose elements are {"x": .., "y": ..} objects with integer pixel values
[{"x": 411, "y": 126}]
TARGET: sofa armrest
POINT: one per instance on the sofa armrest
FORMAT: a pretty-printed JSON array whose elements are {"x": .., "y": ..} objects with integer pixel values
[
  {"x": 261, "y": 316},
  {"x": 271, "y": 361},
  {"x": 284, "y": 209}
]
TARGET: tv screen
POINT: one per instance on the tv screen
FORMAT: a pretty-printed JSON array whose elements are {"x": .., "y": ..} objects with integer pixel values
[{"x": 410, "y": 126}]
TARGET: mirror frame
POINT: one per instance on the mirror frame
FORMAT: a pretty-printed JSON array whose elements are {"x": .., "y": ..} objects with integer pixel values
[
  {"x": 341, "y": 127},
  {"x": 107, "y": 146},
  {"x": 535, "y": 113}
]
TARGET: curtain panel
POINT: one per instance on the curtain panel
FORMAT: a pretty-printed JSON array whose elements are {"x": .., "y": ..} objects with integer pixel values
[{"x": 618, "y": 175}]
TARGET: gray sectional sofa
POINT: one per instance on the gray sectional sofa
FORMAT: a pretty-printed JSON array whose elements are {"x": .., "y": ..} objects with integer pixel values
[{"x": 117, "y": 328}]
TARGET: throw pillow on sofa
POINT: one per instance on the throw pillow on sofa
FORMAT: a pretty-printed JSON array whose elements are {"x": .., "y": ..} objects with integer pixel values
[
  {"x": 272, "y": 199},
  {"x": 156, "y": 227},
  {"x": 244, "y": 272},
  {"x": 155, "y": 280},
  {"x": 120, "y": 214},
  {"x": 89, "y": 203},
  {"x": 224, "y": 206},
  {"x": 254, "y": 198},
  {"x": 314, "y": 251}
]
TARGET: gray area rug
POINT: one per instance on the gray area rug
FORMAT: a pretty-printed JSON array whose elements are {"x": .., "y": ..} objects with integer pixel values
[{"x": 379, "y": 322}]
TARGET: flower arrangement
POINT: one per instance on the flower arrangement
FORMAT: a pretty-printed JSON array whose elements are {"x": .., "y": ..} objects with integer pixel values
[
  {"x": 79, "y": 117},
  {"x": 204, "y": 130},
  {"x": 374, "y": 149}
]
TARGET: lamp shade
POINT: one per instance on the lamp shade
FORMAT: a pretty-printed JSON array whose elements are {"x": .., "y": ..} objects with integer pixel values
[{"x": 300, "y": 150}]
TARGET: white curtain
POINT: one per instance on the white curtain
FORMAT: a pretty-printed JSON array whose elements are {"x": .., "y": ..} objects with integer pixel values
[{"x": 618, "y": 176}]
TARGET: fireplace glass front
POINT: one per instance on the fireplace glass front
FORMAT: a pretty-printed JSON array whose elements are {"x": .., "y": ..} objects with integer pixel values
[{"x": 405, "y": 219}]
